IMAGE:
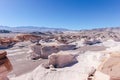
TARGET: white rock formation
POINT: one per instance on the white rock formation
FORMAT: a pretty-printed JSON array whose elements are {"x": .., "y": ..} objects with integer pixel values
[
  {"x": 62, "y": 59},
  {"x": 80, "y": 71}
]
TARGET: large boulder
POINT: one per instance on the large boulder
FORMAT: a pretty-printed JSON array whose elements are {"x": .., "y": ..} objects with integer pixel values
[
  {"x": 5, "y": 65},
  {"x": 45, "y": 49},
  {"x": 39, "y": 51},
  {"x": 35, "y": 51},
  {"x": 48, "y": 50},
  {"x": 62, "y": 59}
]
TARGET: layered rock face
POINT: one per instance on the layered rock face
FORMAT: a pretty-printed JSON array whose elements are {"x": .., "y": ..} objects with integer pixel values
[
  {"x": 61, "y": 59},
  {"x": 110, "y": 67},
  {"x": 26, "y": 37},
  {"x": 39, "y": 51},
  {"x": 7, "y": 42},
  {"x": 44, "y": 50},
  {"x": 5, "y": 65}
]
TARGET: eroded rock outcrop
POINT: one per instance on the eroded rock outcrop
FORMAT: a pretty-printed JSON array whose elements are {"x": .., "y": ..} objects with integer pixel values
[
  {"x": 109, "y": 69},
  {"x": 44, "y": 50},
  {"x": 86, "y": 65},
  {"x": 7, "y": 42},
  {"x": 28, "y": 37},
  {"x": 92, "y": 42},
  {"x": 5, "y": 65},
  {"x": 61, "y": 59},
  {"x": 39, "y": 51}
]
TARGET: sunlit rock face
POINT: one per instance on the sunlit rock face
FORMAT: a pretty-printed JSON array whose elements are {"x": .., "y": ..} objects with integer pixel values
[
  {"x": 62, "y": 59},
  {"x": 111, "y": 66},
  {"x": 35, "y": 51},
  {"x": 5, "y": 65},
  {"x": 86, "y": 65},
  {"x": 40, "y": 51},
  {"x": 26, "y": 37},
  {"x": 7, "y": 42},
  {"x": 95, "y": 63}
]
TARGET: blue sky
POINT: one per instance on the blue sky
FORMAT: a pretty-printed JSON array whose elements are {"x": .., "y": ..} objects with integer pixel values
[{"x": 70, "y": 14}]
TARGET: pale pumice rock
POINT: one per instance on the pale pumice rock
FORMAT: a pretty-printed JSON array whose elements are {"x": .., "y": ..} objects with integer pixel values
[
  {"x": 7, "y": 42},
  {"x": 39, "y": 51},
  {"x": 44, "y": 50},
  {"x": 61, "y": 59}
]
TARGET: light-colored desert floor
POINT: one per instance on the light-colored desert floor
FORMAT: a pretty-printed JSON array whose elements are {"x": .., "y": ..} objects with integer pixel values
[
  {"x": 20, "y": 61},
  {"x": 21, "y": 64}
]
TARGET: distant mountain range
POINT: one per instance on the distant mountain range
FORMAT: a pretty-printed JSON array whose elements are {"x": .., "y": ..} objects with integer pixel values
[
  {"x": 46, "y": 29},
  {"x": 30, "y": 29},
  {"x": 112, "y": 29}
]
